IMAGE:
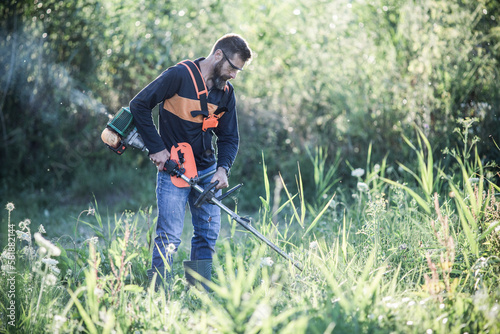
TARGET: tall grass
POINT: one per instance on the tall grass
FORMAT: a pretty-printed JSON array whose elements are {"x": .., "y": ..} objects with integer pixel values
[{"x": 390, "y": 264}]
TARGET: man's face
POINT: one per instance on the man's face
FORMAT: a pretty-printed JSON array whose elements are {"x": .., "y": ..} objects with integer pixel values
[{"x": 226, "y": 69}]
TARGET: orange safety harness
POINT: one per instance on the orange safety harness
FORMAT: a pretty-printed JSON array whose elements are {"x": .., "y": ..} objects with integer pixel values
[{"x": 210, "y": 121}]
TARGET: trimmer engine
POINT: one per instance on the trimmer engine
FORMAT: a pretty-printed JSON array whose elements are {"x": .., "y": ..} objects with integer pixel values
[{"x": 121, "y": 132}]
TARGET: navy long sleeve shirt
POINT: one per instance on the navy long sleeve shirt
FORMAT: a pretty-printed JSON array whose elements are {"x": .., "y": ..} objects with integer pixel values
[{"x": 176, "y": 95}]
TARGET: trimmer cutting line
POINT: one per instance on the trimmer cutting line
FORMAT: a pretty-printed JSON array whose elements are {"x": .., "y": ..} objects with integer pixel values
[{"x": 121, "y": 132}]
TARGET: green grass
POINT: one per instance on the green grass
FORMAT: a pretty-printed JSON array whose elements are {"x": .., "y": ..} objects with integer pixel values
[{"x": 381, "y": 263}]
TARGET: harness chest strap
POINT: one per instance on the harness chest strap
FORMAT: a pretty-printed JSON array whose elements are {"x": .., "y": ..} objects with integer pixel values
[{"x": 210, "y": 121}]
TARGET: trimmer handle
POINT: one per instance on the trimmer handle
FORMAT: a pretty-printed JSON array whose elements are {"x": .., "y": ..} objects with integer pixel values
[
  {"x": 206, "y": 195},
  {"x": 172, "y": 168}
]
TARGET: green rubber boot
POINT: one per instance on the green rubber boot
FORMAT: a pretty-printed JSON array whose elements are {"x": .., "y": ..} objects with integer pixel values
[
  {"x": 163, "y": 278},
  {"x": 202, "y": 267}
]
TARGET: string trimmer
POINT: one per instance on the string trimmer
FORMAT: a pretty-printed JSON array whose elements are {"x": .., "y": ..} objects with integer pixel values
[{"x": 121, "y": 132}]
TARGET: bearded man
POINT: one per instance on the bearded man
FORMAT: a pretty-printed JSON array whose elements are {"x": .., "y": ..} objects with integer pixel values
[{"x": 188, "y": 94}]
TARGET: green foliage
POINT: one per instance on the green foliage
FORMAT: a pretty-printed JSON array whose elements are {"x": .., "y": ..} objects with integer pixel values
[
  {"x": 389, "y": 266},
  {"x": 330, "y": 82}
]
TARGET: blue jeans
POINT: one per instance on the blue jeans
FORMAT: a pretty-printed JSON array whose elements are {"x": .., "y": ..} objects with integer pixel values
[{"x": 171, "y": 211}]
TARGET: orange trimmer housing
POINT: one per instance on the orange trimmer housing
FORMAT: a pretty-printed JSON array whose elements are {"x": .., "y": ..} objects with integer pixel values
[{"x": 182, "y": 154}]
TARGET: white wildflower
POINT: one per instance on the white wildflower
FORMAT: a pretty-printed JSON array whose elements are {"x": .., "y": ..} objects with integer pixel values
[
  {"x": 55, "y": 270},
  {"x": 103, "y": 315},
  {"x": 376, "y": 167},
  {"x": 313, "y": 245},
  {"x": 58, "y": 322},
  {"x": 51, "y": 248},
  {"x": 91, "y": 211},
  {"x": 98, "y": 292},
  {"x": 170, "y": 249},
  {"x": 94, "y": 240},
  {"x": 358, "y": 172},
  {"x": 266, "y": 261},
  {"x": 10, "y": 206},
  {"x": 50, "y": 262},
  {"x": 51, "y": 279},
  {"x": 23, "y": 236},
  {"x": 363, "y": 187},
  {"x": 41, "y": 229}
]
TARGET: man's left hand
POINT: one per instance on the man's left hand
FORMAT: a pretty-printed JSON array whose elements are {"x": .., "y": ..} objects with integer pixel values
[{"x": 220, "y": 176}]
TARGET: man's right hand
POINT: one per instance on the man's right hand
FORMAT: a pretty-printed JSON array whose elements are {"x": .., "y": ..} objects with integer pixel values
[{"x": 159, "y": 158}]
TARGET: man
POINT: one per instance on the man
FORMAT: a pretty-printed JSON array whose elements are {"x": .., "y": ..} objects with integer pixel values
[{"x": 181, "y": 118}]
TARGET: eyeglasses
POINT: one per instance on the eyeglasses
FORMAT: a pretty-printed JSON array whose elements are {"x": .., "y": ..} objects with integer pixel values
[{"x": 230, "y": 63}]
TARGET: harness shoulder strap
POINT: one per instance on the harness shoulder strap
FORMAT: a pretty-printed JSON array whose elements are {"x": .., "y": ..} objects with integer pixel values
[
  {"x": 225, "y": 99},
  {"x": 199, "y": 84}
]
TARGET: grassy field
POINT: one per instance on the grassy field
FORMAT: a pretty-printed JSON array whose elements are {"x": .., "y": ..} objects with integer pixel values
[{"x": 385, "y": 257}]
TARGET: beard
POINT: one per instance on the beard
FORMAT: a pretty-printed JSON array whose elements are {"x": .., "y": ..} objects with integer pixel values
[{"x": 218, "y": 79}]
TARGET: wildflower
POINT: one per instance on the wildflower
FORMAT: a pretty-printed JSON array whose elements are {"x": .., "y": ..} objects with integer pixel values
[
  {"x": 50, "y": 262},
  {"x": 363, "y": 187},
  {"x": 51, "y": 279},
  {"x": 103, "y": 316},
  {"x": 376, "y": 167},
  {"x": 474, "y": 180},
  {"x": 55, "y": 270},
  {"x": 358, "y": 172},
  {"x": 403, "y": 247},
  {"x": 91, "y": 211},
  {"x": 51, "y": 248},
  {"x": 94, "y": 240},
  {"x": 10, "y": 206},
  {"x": 313, "y": 245},
  {"x": 23, "y": 236},
  {"x": 41, "y": 229},
  {"x": 266, "y": 261},
  {"x": 59, "y": 321},
  {"x": 6, "y": 255},
  {"x": 98, "y": 292},
  {"x": 68, "y": 274},
  {"x": 170, "y": 248}
]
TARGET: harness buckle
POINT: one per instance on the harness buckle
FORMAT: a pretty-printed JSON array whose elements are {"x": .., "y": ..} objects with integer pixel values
[{"x": 210, "y": 122}]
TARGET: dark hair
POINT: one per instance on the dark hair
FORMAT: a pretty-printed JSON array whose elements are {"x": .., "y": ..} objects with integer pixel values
[{"x": 233, "y": 44}]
